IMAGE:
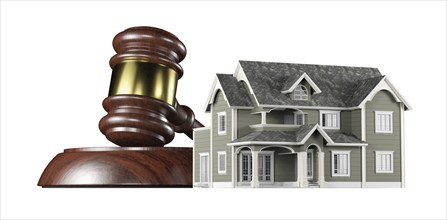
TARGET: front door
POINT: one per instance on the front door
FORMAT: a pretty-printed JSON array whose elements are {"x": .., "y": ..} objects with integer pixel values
[{"x": 310, "y": 164}]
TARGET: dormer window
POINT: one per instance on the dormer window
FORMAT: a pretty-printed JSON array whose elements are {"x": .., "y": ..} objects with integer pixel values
[{"x": 300, "y": 93}]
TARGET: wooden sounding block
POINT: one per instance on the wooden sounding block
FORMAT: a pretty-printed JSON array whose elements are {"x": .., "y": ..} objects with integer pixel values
[{"x": 142, "y": 116}]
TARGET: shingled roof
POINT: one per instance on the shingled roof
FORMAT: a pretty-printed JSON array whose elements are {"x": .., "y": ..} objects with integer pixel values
[
  {"x": 235, "y": 91},
  {"x": 341, "y": 86}
]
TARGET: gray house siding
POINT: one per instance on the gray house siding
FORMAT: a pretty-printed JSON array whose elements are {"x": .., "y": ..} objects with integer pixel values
[
  {"x": 383, "y": 101},
  {"x": 345, "y": 122},
  {"x": 356, "y": 123},
  {"x": 285, "y": 167},
  {"x": 313, "y": 116},
  {"x": 220, "y": 141},
  {"x": 245, "y": 118},
  {"x": 201, "y": 145},
  {"x": 277, "y": 117}
]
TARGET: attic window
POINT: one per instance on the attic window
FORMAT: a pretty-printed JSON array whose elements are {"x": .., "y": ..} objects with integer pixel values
[{"x": 300, "y": 93}]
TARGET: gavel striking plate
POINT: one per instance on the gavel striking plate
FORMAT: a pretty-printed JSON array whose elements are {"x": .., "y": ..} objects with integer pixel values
[{"x": 142, "y": 116}]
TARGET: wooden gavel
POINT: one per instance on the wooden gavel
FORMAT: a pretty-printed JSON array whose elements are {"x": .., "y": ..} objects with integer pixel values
[
  {"x": 143, "y": 116},
  {"x": 142, "y": 108}
]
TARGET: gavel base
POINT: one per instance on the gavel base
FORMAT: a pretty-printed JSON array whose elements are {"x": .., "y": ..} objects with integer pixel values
[{"x": 120, "y": 167}]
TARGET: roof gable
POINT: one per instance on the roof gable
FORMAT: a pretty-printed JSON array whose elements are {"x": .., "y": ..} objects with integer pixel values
[
  {"x": 295, "y": 80},
  {"x": 234, "y": 92}
]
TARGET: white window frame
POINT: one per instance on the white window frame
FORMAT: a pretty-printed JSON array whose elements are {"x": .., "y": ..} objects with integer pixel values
[
  {"x": 219, "y": 161},
  {"x": 300, "y": 93},
  {"x": 201, "y": 167},
  {"x": 295, "y": 118},
  {"x": 221, "y": 131},
  {"x": 330, "y": 119},
  {"x": 348, "y": 163},
  {"x": 378, "y": 156},
  {"x": 378, "y": 116}
]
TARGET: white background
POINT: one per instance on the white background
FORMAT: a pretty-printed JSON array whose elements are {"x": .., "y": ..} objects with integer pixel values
[{"x": 55, "y": 74}]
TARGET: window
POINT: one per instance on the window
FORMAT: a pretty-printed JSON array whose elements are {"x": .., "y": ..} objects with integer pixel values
[
  {"x": 341, "y": 163},
  {"x": 221, "y": 123},
  {"x": 384, "y": 161},
  {"x": 384, "y": 122},
  {"x": 265, "y": 166},
  {"x": 300, "y": 93},
  {"x": 299, "y": 118},
  {"x": 222, "y": 162},
  {"x": 204, "y": 167},
  {"x": 330, "y": 119}
]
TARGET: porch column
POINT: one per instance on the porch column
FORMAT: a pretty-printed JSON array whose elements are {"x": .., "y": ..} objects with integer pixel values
[
  {"x": 320, "y": 169},
  {"x": 363, "y": 185},
  {"x": 255, "y": 169},
  {"x": 234, "y": 167},
  {"x": 302, "y": 169}
]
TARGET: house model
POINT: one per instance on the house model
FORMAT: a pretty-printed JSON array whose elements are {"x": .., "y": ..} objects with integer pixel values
[{"x": 300, "y": 125}]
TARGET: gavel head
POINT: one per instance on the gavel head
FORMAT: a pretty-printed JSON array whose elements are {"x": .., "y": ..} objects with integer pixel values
[{"x": 141, "y": 105}]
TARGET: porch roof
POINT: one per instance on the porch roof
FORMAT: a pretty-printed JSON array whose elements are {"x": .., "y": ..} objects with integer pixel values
[{"x": 340, "y": 137}]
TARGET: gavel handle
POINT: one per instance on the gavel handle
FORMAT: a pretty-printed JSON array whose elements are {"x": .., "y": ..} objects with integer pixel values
[
  {"x": 183, "y": 121},
  {"x": 196, "y": 124}
]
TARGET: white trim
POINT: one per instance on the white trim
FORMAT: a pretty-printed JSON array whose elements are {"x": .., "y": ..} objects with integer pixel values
[
  {"x": 402, "y": 143},
  {"x": 288, "y": 148},
  {"x": 321, "y": 179},
  {"x": 363, "y": 122},
  {"x": 201, "y": 128},
  {"x": 194, "y": 155},
  {"x": 219, "y": 123},
  {"x": 363, "y": 166},
  {"x": 233, "y": 167},
  {"x": 376, "y": 119},
  {"x": 308, "y": 79},
  {"x": 263, "y": 117},
  {"x": 213, "y": 91},
  {"x": 348, "y": 163},
  {"x": 240, "y": 76},
  {"x": 219, "y": 171},
  {"x": 385, "y": 84},
  {"x": 337, "y": 114},
  {"x": 391, "y": 153},
  {"x": 401, "y": 97},
  {"x": 274, "y": 126},
  {"x": 233, "y": 124},
  {"x": 262, "y": 143},
  {"x": 309, "y": 107},
  {"x": 295, "y": 117},
  {"x": 223, "y": 185},
  {"x": 322, "y": 132},
  {"x": 347, "y": 144},
  {"x": 211, "y": 145},
  {"x": 383, "y": 184}
]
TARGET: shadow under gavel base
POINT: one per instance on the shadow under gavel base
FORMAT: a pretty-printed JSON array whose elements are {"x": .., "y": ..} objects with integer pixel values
[{"x": 120, "y": 167}]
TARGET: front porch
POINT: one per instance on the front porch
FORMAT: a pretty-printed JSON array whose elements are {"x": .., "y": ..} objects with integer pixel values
[{"x": 278, "y": 166}]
